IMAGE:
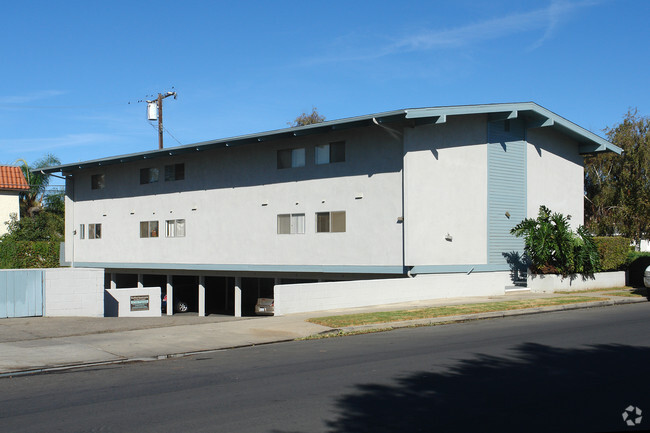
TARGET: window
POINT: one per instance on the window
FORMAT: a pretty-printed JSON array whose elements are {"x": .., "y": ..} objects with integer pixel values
[
  {"x": 94, "y": 231},
  {"x": 82, "y": 231},
  {"x": 291, "y": 224},
  {"x": 97, "y": 181},
  {"x": 291, "y": 158},
  {"x": 330, "y": 153},
  {"x": 174, "y": 172},
  {"x": 175, "y": 228},
  {"x": 333, "y": 222},
  {"x": 149, "y": 175},
  {"x": 148, "y": 229}
]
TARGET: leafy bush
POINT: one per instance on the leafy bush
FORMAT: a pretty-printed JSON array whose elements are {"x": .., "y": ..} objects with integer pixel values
[
  {"x": 613, "y": 251},
  {"x": 29, "y": 254},
  {"x": 552, "y": 248}
]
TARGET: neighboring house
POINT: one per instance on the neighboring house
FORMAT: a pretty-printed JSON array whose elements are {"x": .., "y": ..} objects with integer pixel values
[
  {"x": 12, "y": 182},
  {"x": 390, "y": 195}
]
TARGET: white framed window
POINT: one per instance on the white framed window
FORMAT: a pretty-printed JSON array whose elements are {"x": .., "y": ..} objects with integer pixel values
[
  {"x": 94, "y": 231},
  {"x": 330, "y": 153},
  {"x": 174, "y": 172},
  {"x": 82, "y": 231},
  {"x": 148, "y": 229},
  {"x": 175, "y": 228},
  {"x": 149, "y": 175},
  {"x": 293, "y": 224},
  {"x": 330, "y": 222},
  {"x": 97, "y": 181},
  {"x": 291, "y": 158}
]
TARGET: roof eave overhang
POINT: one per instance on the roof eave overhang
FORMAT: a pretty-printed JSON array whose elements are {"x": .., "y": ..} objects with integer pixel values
[{"x": 535, "y": 116}]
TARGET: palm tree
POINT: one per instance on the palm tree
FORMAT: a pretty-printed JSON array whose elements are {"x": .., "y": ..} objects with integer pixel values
[{"x": 31, "y": 201}]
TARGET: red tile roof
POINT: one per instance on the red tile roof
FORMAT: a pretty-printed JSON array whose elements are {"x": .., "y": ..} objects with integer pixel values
[{"x": 12, "y": 179}]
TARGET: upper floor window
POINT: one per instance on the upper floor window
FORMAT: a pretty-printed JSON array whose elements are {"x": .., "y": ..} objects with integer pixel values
[
  {"x": 174, "y": 172},
  {"x": 330, "y": 153},
  {"x": 148, "y": 229},
  {"x": 289, "y": 158},
  {"x": 94, "y": 231},
  {"x": 291, "y": 224},
  {"x": 333, "y": 222},
  {"x": 175, "y": 228},
  {"x": 149, "y": 175},
  {"x": 97, "y": 181}
]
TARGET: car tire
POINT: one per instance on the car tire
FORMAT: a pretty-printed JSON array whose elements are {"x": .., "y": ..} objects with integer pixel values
[{"x": 181, "y": 307}]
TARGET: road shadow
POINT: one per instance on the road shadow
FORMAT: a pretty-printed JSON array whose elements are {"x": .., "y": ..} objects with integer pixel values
[{"x": 539, "y": 389}]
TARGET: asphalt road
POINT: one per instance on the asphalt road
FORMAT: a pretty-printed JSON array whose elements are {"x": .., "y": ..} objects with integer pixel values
[{"x": 567, "y": 371}]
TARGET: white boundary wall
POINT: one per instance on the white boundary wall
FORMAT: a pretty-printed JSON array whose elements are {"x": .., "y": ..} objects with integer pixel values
[
  {"x": 73, "y": 292},
  {"x": 300, "y": 298},
  {"x": 550, "y": 283},
  {"x": 123, "y": 298}
]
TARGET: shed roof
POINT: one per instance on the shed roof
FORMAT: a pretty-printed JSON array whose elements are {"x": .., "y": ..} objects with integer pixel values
[
  {"x": 12, "y": 179},
  {"x": 535, "y": 115}
]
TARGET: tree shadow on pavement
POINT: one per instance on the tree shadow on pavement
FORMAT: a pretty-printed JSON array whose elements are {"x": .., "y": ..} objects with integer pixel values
[{"x": 541, "y": 388}]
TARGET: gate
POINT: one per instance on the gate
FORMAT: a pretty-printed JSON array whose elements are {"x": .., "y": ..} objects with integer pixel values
[{"x": 21, "y": 293}]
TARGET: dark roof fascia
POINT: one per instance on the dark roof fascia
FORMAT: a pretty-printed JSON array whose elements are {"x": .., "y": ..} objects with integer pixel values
[{"x": 540, "y": 117}]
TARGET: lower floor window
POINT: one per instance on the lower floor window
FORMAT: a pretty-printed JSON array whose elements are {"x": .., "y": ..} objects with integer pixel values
[
  {"x": 330, "y": 222},
  {"x": 94, "y": 231},
  {"x": 291, "y": 224},
  {"x": 175, "y": 228},
  {"x": 148, "y": 229}
]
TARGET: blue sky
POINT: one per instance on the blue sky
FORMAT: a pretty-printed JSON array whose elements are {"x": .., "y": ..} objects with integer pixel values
[{"x": 72, "y": 72}]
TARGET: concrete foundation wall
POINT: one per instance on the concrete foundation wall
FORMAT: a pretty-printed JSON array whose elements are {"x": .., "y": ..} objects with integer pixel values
[
  {"x": 73, "y": 292},
  {"x": 299, "y": 298},
  {"x": 553, "y": 283}
]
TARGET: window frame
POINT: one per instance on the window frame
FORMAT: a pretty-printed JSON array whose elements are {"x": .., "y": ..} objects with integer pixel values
[
  {"x": 174, "y": 224},
  {"x": 333, "y": 222},
  {"x": 153, "y": 229},
  {"x": 97, "y": 181},
  {"x": 95, "y": 231},
  {"x": 297, "y": 158},
  {"x": 329, "y": 153},
  {"x": 146, "y": 175},
  {"x": 295, "y": 227},
  {"x": 174, "y": 172}
]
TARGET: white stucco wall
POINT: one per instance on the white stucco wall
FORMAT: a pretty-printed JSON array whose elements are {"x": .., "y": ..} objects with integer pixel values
[
  {"x": 299, "y": 298},
  {"x": 73, "y": 292},
  {"x": 553, "y": 283},
  {"x": 446, "y": 192},
  {"x": 230, "y": 199},
  {"x": 123, "y": 299},
  {"x": 9, "y": 204},
  {"x": 555, "y": 175}
]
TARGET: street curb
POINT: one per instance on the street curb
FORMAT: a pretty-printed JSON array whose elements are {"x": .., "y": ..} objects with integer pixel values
[{"x": 387, "y": 326}]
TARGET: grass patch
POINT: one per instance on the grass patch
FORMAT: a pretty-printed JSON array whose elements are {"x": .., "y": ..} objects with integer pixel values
[
  {"x": 568, "y": 292},
  {"x": 629, "y": 292},
  {"x": 450, "y": 310}
]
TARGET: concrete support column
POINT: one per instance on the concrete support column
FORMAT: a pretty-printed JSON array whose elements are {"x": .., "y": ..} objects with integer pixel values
[
  {"x": 201, "y": 295},
  {"x": 237, "y": 296},
  {"x": 140, "y": 281},
  {"x": 170, "y": 296},
  {"x": 113, "y": 280}
]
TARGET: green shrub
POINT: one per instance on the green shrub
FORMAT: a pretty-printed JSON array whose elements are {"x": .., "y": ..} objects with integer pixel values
[
  {"x": 613, "y": 251},
  {"x": 552, "y": 248},
  {"x": 29, "y": 254}
]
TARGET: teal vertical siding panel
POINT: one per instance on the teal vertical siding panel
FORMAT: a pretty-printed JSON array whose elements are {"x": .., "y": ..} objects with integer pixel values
[
  {"x": 21, "y": 293},
  {"x": 506, "y": 187},
  {"x": 3, "y": 295}
]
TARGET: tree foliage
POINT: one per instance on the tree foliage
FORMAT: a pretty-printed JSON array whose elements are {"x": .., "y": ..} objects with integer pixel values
[
  {"x": 552, "y": 248},
  {"x": 308, "y": 119},
  {"x": 617, "y": 200},
  {"x": 31, "y": 201},
  {"x": 43, "y": 226}
]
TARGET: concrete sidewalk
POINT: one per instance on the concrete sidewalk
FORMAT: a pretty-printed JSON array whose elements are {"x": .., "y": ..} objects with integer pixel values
[{"x": 45, "y": 343}]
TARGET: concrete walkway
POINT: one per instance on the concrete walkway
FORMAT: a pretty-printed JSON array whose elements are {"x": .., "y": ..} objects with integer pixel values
[{"x": 36, "y": 344}]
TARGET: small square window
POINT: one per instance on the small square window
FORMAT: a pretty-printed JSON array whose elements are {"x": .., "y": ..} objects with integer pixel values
[
  {"x": 174, "y": 172},
  {"x": 149, "y": 175},
  {"x": 291, "y": 158},
  {"x": 330, "y": 153},
  {"x": 330, "y": 222},
  {"x": 175, "y": 228},
  {"x": 94, "y": 231},
  {"x": 97, "y": 181},
  {"x": 291, "y": 224},
  {"x": 148, "y": 229}
]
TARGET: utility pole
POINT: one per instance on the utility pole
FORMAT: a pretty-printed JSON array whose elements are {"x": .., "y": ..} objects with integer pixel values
[{"x": 159, "y": 105}]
